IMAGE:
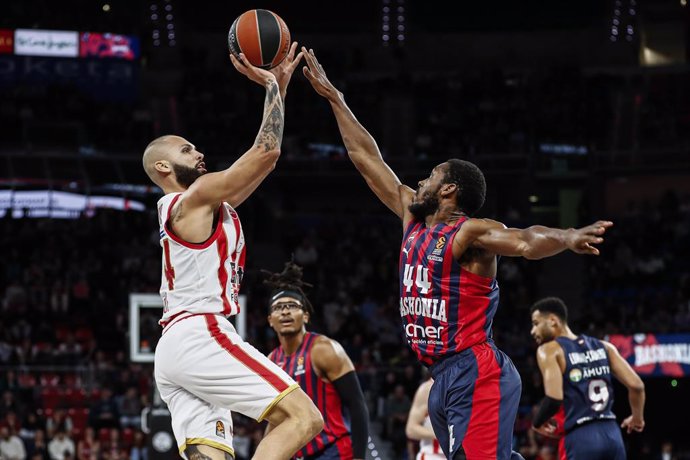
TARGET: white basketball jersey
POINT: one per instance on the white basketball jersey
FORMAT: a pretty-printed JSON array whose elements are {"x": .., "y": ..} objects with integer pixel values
[
  {"x": 429, "y": 449},
  {"x": 201, "y": 277}
]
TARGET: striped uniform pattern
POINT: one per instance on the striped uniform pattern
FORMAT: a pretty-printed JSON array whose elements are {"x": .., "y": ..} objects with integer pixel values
[
  {"x": 336, "y": 428},
  {"x": 447, "y": 314},
  {"x": 201, "y": 277},
  {"x": 262, "y": 36},
  {"x": 444, "y": 308}
]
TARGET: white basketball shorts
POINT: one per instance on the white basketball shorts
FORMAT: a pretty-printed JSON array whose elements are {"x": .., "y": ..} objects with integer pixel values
[{"x": 204, "y": 370}]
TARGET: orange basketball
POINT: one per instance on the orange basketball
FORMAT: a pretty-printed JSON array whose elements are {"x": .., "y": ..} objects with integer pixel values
[{"x": 262, "y": 36}]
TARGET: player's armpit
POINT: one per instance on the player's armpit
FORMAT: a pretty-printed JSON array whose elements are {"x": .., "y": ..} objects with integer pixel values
[{"x": 484, "y": 234}]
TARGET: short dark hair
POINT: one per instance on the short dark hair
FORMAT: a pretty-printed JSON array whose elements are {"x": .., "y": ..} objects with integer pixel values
[
  {"x": 471, "y": 185},
  {"x": 552, "y": 305}
]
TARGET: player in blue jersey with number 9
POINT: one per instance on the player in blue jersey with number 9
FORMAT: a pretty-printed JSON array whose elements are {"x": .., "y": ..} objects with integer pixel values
[
  {"x": 448, "y": 287},
  {"x": 577, "y": 371}
]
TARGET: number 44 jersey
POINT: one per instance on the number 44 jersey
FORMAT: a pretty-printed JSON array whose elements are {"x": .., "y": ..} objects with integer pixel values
[{"x": 587, "y": 385}]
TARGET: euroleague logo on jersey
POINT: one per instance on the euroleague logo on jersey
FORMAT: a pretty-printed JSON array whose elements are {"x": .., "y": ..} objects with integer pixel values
[
  {"x": 220, "y": 429},
  {"x": 300, "y": 366},
  {"x": 440, "y": 244}
]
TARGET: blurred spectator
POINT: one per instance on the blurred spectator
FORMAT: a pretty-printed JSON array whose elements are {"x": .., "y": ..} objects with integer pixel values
[
  {"x": 88, "y": 448},
  {"x": 38, "y": 446},
  {"x": 397, "y": 407},
  {"x": 61, "y": 446},
  {"x": 667, "y": 451},
  {"x": 139, "y": 450},
  {"x": 130, "y": 408},
  {"x": 103, "y": 413},
  {"x": 11, "y": 445},
  {"x": 241, "y": 442},
  {"x": 30, "y": 426},
  {"x": 114, "y": 449},
  {"x": 59, "y": 420},
  {"x": 9, "y": 404}
]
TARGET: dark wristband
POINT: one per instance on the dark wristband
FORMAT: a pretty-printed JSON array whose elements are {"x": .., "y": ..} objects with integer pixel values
[
  {"x": 350, "y": 393},
  {"x": 547, "y": 409}
]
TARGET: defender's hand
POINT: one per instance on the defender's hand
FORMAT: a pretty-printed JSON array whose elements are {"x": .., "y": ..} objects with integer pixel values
[
  {"x": 631, "y": 424},
  {"x": 581, "y": 240},
  {"x": 549, "y": 429},
  {"x": 317, "y": 76},
  {"x": 255, "y": 74},
  {"x": 283, "y": 71}
]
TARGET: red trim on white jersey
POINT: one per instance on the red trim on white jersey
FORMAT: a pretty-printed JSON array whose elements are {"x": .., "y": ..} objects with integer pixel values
[
  {"x": 171, "y": 233},
  {"x": 176, "y": 319},
  {"x": 222, "y": 272},
  {"x": 242, "y": 356}
]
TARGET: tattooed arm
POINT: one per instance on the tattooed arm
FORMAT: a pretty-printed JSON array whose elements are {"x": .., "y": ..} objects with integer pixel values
[
  {"x": 204, "y": 452},
  {"x": 236, "y": 183}
]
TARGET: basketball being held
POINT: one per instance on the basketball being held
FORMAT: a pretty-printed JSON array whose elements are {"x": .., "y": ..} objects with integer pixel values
[{"x": 262, "y": 36}]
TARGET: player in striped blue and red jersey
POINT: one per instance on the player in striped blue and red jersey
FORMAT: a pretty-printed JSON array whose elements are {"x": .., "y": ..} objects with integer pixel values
[
  {"x": 448, "y": 287},
  {"x": 323, "y": 370},
  {"x": 577, "y": 372}
]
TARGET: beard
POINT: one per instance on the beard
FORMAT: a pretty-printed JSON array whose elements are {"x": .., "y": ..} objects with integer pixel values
[
  {"x": 185, "y": 175},
  {"x": 421, "y": 209}
]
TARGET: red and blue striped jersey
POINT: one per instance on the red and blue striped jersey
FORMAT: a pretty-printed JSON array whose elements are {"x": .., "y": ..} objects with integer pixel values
[
  {"x": 336, "y": 424},
  {"x": 444, "y": 308}
]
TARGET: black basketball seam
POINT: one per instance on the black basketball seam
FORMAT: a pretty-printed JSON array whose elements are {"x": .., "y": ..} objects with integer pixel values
[
  {"x": 258, "y": 36},
  {"x": 234, "y": 40},
  {"x": 280, "y": 36},
  {"x": 272, "y": 49}
]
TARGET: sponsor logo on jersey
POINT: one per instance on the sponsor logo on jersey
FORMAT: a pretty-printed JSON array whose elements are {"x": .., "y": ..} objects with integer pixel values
[
  {"x": 423, "y": 332},
  {"x": 575, "y": 375},
  {"x": 421, "y": 306},
  {"x": 598, "y": 371},
  {"x": 220, "y": 429},
  {"x": 587, "y": 357},
  {"x": 300, "y": 366}
]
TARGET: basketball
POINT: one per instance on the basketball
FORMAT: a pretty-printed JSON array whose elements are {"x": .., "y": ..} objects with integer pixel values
[{"x": 262, "y": 36}]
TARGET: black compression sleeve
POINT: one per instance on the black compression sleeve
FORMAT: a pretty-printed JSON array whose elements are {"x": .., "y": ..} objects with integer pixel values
[
  {"x": 547, "y": 409},
  {"x": 350, "y": 393}
]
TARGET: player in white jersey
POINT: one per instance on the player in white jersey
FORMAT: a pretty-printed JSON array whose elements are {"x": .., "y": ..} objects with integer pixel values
[
  {"x": 419, "y": 425},
  {"x": 203, "y": 369}
]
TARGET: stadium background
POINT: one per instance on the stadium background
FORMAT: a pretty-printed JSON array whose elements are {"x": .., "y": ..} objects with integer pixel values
[{"x": 575, "y": 111}]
